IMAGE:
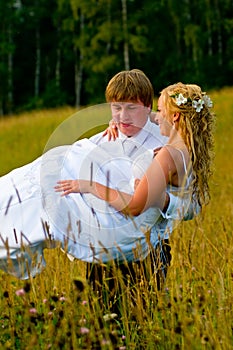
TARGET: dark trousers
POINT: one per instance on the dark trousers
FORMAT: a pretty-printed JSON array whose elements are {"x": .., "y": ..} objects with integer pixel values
[{"x": 109, "y": 281}]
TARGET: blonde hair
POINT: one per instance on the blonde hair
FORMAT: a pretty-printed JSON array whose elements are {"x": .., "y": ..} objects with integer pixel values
[
  {"x": 130, "y": 85},
  {"x": 196, "y": 129}
]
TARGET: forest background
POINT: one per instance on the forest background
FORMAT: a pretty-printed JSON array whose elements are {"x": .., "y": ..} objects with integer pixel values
[{"x": 63, "y": 52}]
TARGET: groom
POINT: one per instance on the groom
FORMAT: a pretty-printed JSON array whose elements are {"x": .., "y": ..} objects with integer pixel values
[{"x": 131, "y": 95}]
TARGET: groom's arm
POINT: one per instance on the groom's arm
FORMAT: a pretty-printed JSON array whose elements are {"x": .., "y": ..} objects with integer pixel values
[
  {"x": 99, "y": 138},
  {"x": 180, "y": 208}
]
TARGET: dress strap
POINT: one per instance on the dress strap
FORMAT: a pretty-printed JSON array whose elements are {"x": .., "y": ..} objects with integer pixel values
[
  {"x": 182, "y": 155},
  {"x": 183, "y": 158},
  {"x": 188, "y": 181},
  {"x": 189, "y": 177}
]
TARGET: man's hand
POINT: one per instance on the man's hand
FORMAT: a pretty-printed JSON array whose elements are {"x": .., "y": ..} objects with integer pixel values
[
  {"x": 156, "y": 150},
  {"x": 166, "y": 204}
]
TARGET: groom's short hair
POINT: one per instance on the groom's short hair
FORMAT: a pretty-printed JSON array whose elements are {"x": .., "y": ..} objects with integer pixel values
[{"x": 130, "y": 85}]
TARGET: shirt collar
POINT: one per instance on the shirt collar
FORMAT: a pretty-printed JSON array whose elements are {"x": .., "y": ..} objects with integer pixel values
[{"x": 141, "y": 136}]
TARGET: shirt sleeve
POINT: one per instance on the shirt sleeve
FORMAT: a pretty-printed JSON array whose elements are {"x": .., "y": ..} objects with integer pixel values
[
  {"x": 98, "y": 138},
  {"x": 180, "y": 208}
]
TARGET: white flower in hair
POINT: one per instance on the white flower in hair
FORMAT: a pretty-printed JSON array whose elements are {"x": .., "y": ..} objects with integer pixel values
[
  {"x": 198, "y": 105},
  {"x": 208, "y": 102},
  {"x": 180, "y": 99}
]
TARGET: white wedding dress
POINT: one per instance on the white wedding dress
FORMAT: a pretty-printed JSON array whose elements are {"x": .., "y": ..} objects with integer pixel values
[{"x": 87, "y": 227}]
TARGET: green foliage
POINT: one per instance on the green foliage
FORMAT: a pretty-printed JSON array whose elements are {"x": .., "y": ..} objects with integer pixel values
[{"x": 79, "y": 45}]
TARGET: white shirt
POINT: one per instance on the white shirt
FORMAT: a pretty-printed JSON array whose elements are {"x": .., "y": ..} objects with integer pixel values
[{"x": 147, "y": 138}]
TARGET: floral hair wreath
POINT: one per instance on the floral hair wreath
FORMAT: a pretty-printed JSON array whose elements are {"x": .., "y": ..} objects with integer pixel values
[{"x": 196, "y": 104}]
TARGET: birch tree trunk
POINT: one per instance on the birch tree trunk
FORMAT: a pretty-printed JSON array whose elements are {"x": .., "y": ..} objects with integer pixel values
[
  {"x": 37, "y": 66},
  {"x": 58, "y": 61},
  {"x": 10, "y": 72},
  {"x": 125, "y": 34},
  {"x": 219, "y": 34},
  {"x": 78, "y": 68}
]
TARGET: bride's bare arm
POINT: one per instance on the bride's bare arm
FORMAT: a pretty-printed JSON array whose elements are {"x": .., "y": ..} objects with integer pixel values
[
  {"x": 151, "y": 190},
  {"x": 119, "y": 200}
]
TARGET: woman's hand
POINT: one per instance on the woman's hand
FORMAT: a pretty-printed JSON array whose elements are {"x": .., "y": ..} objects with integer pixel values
[
  {"x": 72, "y": 186},
  {"x": 111, "y": 131}
]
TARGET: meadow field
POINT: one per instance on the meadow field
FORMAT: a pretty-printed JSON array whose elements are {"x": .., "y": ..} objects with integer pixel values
[{"x": 194, "y": 309}]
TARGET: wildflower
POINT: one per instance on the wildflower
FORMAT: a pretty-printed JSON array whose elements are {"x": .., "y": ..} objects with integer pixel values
[
  {"x": 62, "y": 298},
  {"x": 198, "y": 105},
  {"x": 20, "y": 292},
  {"x": 180, "y": 99},
  {"x": 84, "y": 330},
  {"x": 105, "y": 342},
  {"x": 82, "y": 321},
  {"x": 33, "y": 311},
  {"x": 84, "y": 302}
]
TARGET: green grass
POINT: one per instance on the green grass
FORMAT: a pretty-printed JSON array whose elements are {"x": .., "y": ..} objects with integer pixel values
[
  {"x": 193, "y": 311},
  {"x": 23, "y": 137}
]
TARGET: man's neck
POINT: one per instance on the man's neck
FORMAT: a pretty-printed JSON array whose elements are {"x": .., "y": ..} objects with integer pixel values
[{"x": 123, "y": 136}]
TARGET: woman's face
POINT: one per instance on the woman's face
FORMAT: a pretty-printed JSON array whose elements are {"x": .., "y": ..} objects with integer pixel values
[{"x": 163, "y": 119}]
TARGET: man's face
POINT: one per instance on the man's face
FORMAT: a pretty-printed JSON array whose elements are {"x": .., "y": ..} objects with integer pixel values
[{"x": 130, "y": 116}]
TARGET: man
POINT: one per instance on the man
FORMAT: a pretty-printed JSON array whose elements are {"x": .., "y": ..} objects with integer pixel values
[{"x": 131, "y": 95}]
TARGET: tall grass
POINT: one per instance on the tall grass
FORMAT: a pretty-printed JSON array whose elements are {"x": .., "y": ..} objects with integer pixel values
[{"x": 194, "y": 310}]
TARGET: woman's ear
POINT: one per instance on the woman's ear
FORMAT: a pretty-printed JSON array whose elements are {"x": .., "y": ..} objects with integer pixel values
[{"x": 176, "y": 116}]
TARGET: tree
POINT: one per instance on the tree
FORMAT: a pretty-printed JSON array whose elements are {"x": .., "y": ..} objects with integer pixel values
[
  {"x": 9, "y": 23},
  {"x": 125, "y": 33},
  {"x": 65, "y": 51}
]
